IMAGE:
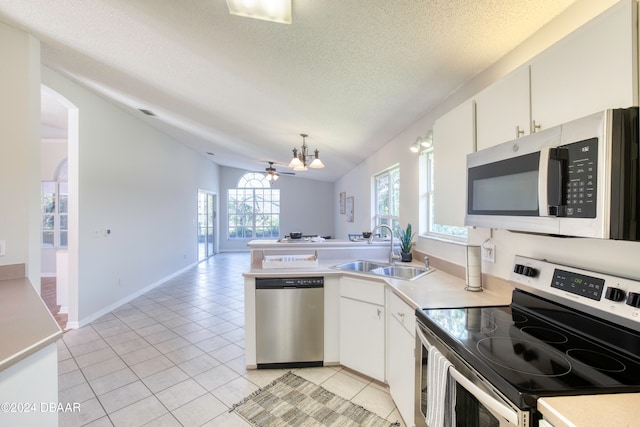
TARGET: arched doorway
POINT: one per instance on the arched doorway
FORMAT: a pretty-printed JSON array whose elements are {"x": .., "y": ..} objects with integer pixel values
[{"x": 59, "y": 207}]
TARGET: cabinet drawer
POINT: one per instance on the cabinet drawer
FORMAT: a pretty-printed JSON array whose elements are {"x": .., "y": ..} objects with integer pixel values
[
  {"x": 362, "y": 290},
  {"x": 402, "y": 312}
]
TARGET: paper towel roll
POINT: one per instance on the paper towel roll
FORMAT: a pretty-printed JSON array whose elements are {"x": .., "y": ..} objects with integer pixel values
[{"x": 474, "y": 269}]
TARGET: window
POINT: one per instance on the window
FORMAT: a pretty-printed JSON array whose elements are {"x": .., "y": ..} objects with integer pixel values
[
  {"x": 54, "y": 209},
  {"x": 253, "y": 209},
  {"x": 433, "y": 228},
  {"x": 387, "y": 188}
]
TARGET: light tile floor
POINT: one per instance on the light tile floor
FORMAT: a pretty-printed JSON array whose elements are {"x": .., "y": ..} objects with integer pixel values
[{"x": 175, "y": 356}]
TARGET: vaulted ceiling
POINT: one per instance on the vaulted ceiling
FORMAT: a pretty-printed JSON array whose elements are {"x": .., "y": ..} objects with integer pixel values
[{"x": 350, "y": 73}]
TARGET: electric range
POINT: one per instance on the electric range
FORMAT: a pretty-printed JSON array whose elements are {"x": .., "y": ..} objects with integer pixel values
[{"x": 567, "y": 331}]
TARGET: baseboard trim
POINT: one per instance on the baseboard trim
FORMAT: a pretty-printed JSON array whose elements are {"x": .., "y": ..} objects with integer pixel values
[
  {"x": 88, "y": 319},
  {"x": 13, "y": 271}
]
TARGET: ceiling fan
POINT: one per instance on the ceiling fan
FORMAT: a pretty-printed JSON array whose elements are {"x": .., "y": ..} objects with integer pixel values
[{"x": 272, "y": 174}]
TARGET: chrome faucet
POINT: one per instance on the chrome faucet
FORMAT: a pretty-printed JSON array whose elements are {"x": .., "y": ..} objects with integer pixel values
[{"x": 392, "y": 257}]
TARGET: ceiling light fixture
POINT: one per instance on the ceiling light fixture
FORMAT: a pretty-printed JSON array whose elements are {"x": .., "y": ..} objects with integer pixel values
[
  {"x": 415, "y": 147},
  {"x": 272, "y": 175},
  {"x": 267, "y": 10},
  {"x": 422, "y": 143},
  {"x": 299, "y": 160}
]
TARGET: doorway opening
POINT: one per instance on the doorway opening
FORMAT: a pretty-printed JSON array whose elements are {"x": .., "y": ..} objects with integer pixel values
[
  {"x": 207, "y": 230},
  {"x": 58, "y": 208}
]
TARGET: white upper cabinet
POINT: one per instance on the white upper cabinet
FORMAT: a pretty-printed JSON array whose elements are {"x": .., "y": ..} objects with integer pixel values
[
  {"x": 453, "y": 139},
  {"x": 592, "y": 69},
  {"x": 503, "y": 110}
]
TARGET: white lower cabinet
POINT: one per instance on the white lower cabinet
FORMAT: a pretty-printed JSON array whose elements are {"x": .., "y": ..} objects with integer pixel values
[
  {"x": 362, "y": 327},
  {"x": 400, "y": 359}
]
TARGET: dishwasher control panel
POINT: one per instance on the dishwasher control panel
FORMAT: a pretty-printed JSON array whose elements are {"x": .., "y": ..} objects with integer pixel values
[{"x": 289, "y": 282}]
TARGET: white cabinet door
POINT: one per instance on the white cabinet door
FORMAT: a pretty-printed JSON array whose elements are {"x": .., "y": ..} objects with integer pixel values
[
  {"x": 502, "y": 109},
  {"x": 401, "y": 366},
  {"x": 590, "y": 70},
  {"x": 453, "y": 139},
  {"x": 362, "y": 337}
]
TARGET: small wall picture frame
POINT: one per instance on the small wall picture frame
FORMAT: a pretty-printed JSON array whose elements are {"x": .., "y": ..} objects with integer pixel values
[
  {"x": 349, "y": 208},
  {"x": 343, "y": 201}
]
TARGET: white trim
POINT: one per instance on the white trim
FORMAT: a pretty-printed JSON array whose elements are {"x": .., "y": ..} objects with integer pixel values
[{"x": 123, "y": 301}]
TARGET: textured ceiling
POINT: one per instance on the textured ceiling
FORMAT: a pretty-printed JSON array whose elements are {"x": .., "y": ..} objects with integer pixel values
[{"x": 351, "y": 74}]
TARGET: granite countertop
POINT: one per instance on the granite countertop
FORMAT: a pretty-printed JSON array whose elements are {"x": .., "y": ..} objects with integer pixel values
[
  {"x": 618, "y": 410},
  {"x": 26, "y": 325}
]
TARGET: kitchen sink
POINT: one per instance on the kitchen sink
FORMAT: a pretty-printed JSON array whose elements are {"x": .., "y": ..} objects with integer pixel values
[
  {"x": 361, "y": 266},
  {"x": 397, "y": 271}
]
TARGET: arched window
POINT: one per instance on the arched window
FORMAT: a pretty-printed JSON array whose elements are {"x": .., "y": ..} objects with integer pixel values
[{"x": 253, "y": 209}]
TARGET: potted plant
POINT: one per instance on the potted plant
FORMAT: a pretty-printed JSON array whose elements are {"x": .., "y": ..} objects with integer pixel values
[{"x": 406, "y": 237}]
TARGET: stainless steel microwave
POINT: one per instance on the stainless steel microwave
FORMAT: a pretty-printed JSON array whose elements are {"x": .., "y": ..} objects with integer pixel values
[{"x": 577, "y": 179}]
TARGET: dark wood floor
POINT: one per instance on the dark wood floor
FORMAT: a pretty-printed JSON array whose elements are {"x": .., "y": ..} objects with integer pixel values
[{"x": 48, "y": 293}]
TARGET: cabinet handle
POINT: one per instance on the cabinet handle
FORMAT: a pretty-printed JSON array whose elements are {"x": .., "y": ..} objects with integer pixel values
[
  {"x": 535, "y": 127},
  {"x": 519, "y": 132},
  {"x": 401, "y": 315},
  {"x": 379, "y": 312}
]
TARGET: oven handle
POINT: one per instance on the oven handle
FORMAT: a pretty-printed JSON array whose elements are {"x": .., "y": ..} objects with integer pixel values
[
  {"x": 483, "y": 397},
  {"x": 491, "y": 403}
]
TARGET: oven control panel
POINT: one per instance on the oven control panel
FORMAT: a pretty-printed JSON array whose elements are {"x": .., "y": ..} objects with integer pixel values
[{"x": 605, "y": 295}]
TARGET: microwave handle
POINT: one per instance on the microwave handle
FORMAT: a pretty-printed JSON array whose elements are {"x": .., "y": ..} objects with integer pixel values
[
  {"x": 551, "y": 181},
  {"x": 543, "y": 174},
  {"x": 488, "y": 401}
]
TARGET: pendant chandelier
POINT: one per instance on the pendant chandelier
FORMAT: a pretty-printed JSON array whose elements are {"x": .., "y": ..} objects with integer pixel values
[{"x": 299, "y": 160}]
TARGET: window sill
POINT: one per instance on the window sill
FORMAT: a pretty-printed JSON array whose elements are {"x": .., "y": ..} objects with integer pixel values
[{"x": 460, "y": 241}]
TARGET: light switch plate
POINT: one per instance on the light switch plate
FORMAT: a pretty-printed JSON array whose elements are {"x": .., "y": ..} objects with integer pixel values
[{"x": 3, "y": 248}]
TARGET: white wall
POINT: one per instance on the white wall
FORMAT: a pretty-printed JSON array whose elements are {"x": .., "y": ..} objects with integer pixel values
[
  {"x": 359, "y": 182},
  {"x": 306, "y": 205},
  {"x": 604, "y": 254},
  {"x": 142, "y": 186},
  {"x": 20, "y": 150}
]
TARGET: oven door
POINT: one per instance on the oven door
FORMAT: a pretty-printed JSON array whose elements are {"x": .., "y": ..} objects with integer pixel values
[{"x": 474, "y": 404}]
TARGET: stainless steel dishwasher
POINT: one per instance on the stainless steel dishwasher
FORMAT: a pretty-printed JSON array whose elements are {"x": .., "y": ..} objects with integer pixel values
[{"x": 289, "y": 322}]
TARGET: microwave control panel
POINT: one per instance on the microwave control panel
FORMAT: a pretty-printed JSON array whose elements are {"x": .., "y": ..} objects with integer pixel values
[{"x": 581, "y": 178}]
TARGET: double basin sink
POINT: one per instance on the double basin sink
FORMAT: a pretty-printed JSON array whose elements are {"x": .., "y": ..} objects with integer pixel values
[{"x": 397, "y": 271}]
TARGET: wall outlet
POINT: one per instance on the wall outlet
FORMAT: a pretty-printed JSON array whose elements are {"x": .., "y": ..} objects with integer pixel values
[
  {"x": 488, "y": 252},
  {"x": 3, "y": 248}
]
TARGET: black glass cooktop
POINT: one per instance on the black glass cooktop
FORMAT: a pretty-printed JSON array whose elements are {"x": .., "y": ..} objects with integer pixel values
[{"x": 537, "y": 348}]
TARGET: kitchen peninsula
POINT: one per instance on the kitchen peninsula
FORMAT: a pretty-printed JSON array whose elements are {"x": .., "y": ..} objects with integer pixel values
[{"x": 369, "y": 321}]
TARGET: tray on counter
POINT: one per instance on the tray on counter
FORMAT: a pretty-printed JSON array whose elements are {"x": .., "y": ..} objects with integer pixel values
[{"x": 290, "y": 261}]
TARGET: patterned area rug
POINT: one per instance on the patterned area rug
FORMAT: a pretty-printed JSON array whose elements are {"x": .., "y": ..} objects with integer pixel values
[{"x": 293, "y": 401}]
